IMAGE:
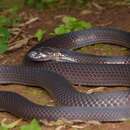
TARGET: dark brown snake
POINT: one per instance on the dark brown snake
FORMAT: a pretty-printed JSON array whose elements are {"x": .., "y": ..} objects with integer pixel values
[{"x": 49, "y": 67}]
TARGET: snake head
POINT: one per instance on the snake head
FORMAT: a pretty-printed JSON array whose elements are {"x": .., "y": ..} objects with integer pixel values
[{"x": 44, "y": 54}]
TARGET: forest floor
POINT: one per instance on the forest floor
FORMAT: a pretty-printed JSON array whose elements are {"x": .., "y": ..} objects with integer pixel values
[{"x": 117, "y": 16}]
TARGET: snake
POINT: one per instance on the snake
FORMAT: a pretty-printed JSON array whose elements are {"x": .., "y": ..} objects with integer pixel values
[{"x": 53, "y": 65}]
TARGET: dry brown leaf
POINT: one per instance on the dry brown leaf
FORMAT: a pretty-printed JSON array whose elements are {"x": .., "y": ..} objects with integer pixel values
[{"x": 62, "y": 127}]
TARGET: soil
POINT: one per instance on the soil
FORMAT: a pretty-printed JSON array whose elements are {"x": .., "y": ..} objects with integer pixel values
[{"x": 112, "y": 16}]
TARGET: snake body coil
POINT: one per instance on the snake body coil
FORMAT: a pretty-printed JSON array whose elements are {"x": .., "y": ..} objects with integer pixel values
[{"x": 41, "y": 68}]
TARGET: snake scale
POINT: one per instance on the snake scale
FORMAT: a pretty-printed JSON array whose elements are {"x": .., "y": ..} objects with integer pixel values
[{"x": 52, "y": 65}]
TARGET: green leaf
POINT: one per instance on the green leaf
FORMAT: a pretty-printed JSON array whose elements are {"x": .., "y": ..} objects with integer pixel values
[
  {"x": 12, "y": 19},
  {"x": 34, "y": 125},
  {"x": 61, "y": 30},
  {"x": 4, "y": 36},
  {"x": 39, "y": 34},
  {"x": 71, "y": 24},
  {"x": 40, "y": 4},
  {"x": 30, "y": 2},
  {"x": 4, "y": 21},
  {"x": 3, "y": 47},
  {"x": 81, "y": 25},
  {"x": 3, "y": 128},
  {"x": 84, "y": 24},
  {"x": 68, "y": 19}
]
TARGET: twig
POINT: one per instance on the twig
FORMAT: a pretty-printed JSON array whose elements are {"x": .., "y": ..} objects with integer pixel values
[
  {"x": 104, "y": 24},
  {"x": 29, "y": 22},
  {"x": 99, "y": 7},
  {"x": 19, "y": 44},
  {"x": 23, "y": 26}
]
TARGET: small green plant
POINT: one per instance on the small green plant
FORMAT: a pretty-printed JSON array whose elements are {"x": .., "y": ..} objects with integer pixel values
[
  {"x": 4, "y": 36},
  {"x": 76, "y": 2},
  {"x": 11, "y": 4},
  {"x": 71, "y": 24},
  {"x": 40, "y": 4},
  {"x": 40, "y": 34},
  {"x": 34, "y": 125},
  {"x": 3, "y": 128},
  {"x": 5, "y": 22}
]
